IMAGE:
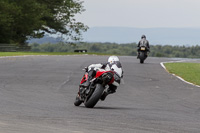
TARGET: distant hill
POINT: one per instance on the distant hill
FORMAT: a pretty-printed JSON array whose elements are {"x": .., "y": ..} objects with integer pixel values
[
  {"x": 162, "y": 36},
  {"x": 45, "y": 39},
  {"x": 171, "y": 36}
]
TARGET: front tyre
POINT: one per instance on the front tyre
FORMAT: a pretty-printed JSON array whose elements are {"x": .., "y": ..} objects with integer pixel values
[
  {"x": 77, "y": 101},
  {"x": 94, "y": 98}
]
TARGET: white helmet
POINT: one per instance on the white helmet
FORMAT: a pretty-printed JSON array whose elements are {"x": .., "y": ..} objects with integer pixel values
[
  {"x": 112, "y": 59},
  {"x": 115, "y": 65}
]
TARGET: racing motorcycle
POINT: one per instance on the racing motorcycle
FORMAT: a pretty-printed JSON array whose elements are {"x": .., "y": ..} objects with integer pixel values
[
  {"x": 143, "y": 53},
  {"x": 91, "y": 94}
]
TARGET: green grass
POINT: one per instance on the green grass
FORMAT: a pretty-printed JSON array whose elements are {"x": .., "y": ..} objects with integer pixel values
[
  {"x": 43, "y": 53},
  {"x": 188, "y": 71}
]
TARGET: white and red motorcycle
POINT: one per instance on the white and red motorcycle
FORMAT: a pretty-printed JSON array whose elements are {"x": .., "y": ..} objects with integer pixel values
[{"x": 91, "y": 94}]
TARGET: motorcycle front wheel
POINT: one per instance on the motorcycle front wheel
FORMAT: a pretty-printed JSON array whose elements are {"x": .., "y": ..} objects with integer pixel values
[
  {"x": 95, "y": 96},
  {"x": 77, "y": 101}
]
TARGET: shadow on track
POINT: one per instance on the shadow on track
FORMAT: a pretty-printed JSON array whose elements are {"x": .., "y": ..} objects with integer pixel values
[
  {"x": 113, "y": 108},
  {"x": 109, "y": 108}
]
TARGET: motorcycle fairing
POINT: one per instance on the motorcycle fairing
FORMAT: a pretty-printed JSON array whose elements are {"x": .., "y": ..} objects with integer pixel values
[{"x": 84, "y": 78}]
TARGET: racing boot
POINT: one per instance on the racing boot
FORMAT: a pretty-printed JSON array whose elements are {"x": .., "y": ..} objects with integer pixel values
[
  {"x": 138, "y": 55},
  {"x": 110, "y": 90}
]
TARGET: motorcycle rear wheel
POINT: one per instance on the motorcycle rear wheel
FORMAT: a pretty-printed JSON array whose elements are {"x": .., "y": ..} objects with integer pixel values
[
  {"x": 94, "y": 98},
  {"x": 142, "y": 57}
]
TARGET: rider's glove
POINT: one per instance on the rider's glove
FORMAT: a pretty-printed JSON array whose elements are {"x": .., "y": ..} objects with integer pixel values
[{"x": 86, "y": 69}]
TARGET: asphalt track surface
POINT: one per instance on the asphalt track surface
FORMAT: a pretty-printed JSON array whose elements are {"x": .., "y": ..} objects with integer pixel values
[{"x": 37, "y": 95}]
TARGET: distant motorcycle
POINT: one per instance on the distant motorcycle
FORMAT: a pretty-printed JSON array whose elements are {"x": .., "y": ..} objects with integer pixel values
[
  {"x": 90, "y": 95},
  {"x": 143, "y": 53}
]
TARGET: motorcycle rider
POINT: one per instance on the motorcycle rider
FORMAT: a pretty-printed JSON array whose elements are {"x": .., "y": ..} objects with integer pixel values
[
  {"x": 143, "y": 42},
  {"x": 93, "y": 68}
]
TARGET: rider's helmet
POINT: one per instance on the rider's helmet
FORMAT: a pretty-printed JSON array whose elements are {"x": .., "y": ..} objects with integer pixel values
[
  {"x": 143, "y": 36},
  {"x": 115, "y": 65},
  {"x": 113, "y": 59}
]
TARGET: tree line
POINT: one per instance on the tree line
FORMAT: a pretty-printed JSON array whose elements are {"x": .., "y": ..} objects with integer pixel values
[
  {"x": 21, "y": 20},
  {"x": 129, "y": 49}
]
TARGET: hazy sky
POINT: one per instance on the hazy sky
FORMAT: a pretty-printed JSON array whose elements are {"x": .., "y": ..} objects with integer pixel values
[{"x": 141, "y": 13}]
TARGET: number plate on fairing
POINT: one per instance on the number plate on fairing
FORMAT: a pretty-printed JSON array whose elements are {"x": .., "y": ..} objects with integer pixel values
[{"x": 142, "y": 48}]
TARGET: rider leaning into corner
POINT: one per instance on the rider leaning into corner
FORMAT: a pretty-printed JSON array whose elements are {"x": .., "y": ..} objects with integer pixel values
[
  {"x": 143, "y": 42},
  {"x": 112, "y": 64}
]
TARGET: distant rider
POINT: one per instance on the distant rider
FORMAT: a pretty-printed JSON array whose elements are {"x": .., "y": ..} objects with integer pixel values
[
  {"x": 93, "y": 68},
  {"x": 143, "y": 42}
]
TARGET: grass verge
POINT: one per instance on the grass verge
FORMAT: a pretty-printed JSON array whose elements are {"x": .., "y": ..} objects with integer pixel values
[
  {"x": 43, "y": 53},
  {"x": 188, "y": 71}
]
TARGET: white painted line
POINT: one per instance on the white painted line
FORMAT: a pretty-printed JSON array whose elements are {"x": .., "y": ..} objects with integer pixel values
[{"x": 162, "y": 64}]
